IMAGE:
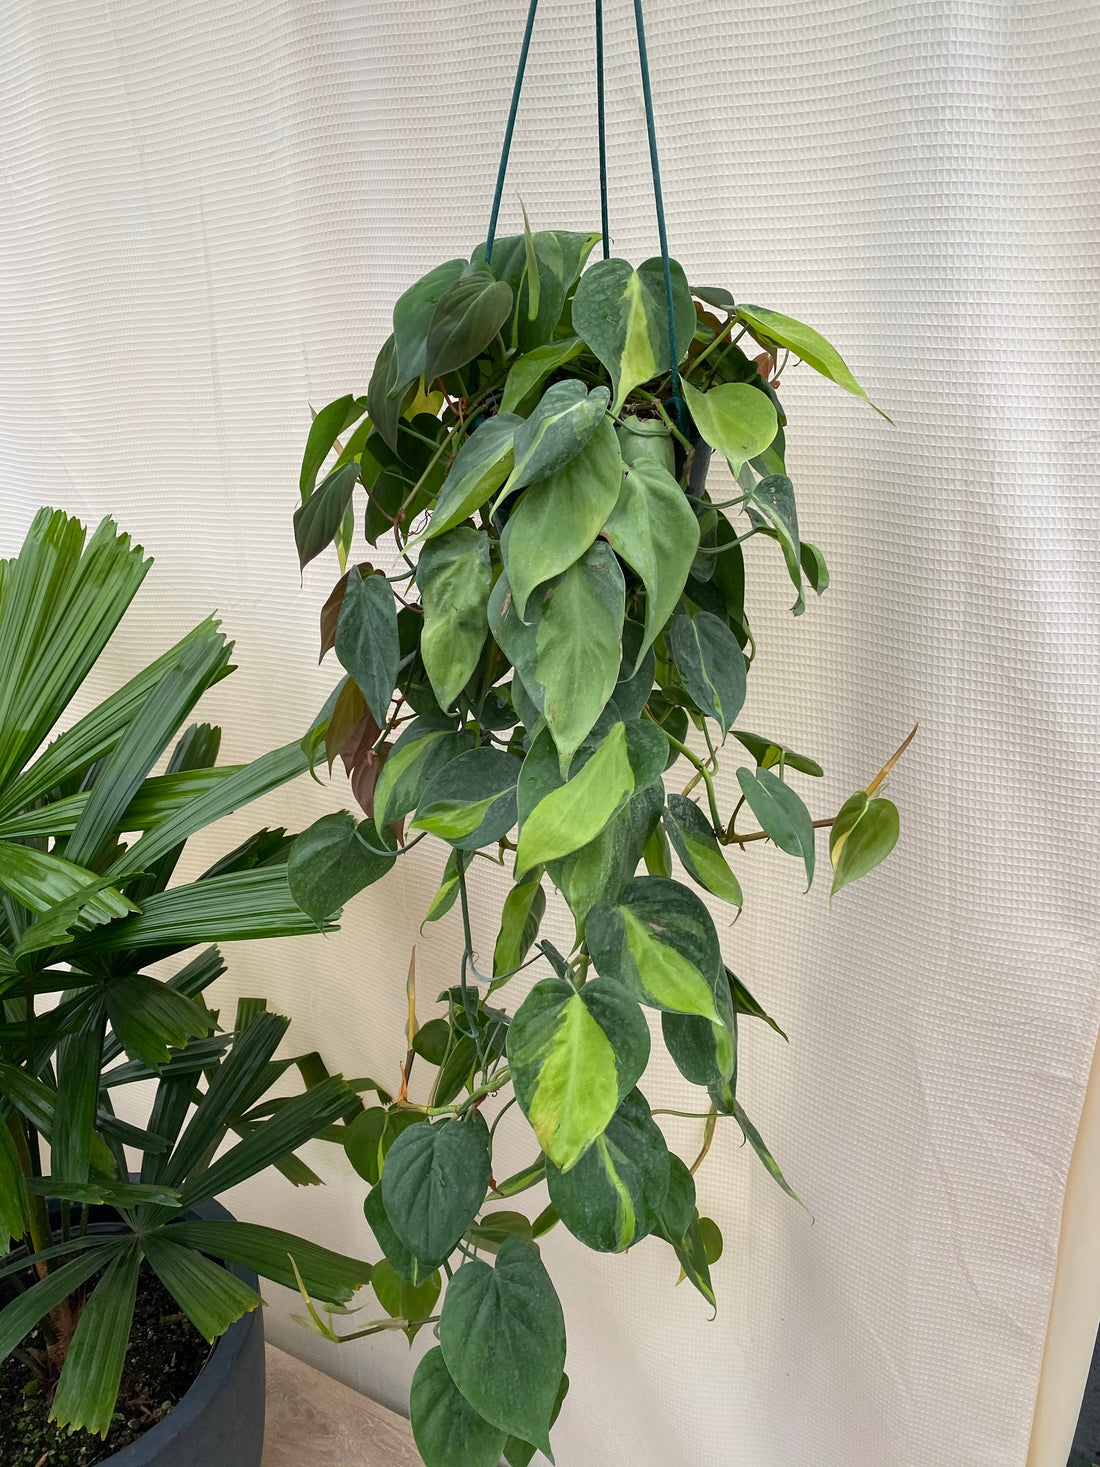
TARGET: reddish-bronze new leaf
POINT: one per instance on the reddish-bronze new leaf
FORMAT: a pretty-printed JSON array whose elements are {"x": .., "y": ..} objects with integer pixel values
[{"x": 330, "y": 612}]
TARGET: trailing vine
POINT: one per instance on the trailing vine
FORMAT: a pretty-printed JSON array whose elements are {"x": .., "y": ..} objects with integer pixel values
[{"x": 550, "y": 681}]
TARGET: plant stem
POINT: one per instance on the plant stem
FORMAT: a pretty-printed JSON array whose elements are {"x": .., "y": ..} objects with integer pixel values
[
  {"x": 704, "y": 772},
  {"x": 377, "y": 1326},
  {"x": 655, "y": 402},
  {"x": 494, "y": 1083},
  {"x": 580, "y": 967},
  {"x": 469, "y": 1003},
  {"x": 721, "y": 335},
  {"x": 500, "y": 1116},
  {"x": 688, "y": 1115},
  {"x": 714, "y": 365},
  {"x": 708, "y": 1137},
  {"x": 41, "y": 1235},
  {"x": 731, "y": 838}
]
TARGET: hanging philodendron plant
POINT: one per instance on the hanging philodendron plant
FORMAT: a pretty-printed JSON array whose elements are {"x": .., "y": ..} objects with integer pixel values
[
  {"x": 567, "y": 628},
  {"x": 563, "y": 644}
]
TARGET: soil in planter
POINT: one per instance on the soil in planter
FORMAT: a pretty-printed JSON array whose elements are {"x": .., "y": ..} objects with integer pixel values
[{"x": 165, "y": 1354}]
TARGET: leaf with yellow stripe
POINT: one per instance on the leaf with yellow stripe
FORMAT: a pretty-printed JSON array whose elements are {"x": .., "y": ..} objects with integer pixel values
[
  {"x": 612, "y": 1198},
  {"x": 574, "y": 1056},
  {"x": 659, "y": 941},
  {"x": 622, "y": 315},
  {"x": 571, "y": 816},
  {"x": 863, "y": 835},
  {"x": 697, "y": 847}
]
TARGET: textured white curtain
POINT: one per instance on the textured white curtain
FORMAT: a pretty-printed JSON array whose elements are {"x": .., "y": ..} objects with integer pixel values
[{"x": 208, "y": 208}]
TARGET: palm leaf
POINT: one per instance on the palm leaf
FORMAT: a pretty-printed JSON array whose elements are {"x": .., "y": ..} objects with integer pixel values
[
  {"x": 192, "y": 979},
  {"x": 149, "y": 1017},
  {"x": 78, "y": 1064},
  {"x": 189, "y": 1059},
  {"x": 19, "y": 1317},
  {"x": 223, "y": 798},
  {"x": 299, "y": 1121},
  {"x": 174, "y": 1098},
  {"x": 73, "y": 753},
  {"x": 58, "y": 609},
  {"x": 195, "y": 754},
  {"x": 211, "y": 1297},
  {"x": 14, "y": 1210},
  {"x": 139, "y": 748},
  {"x": 90, "y": 1377},
  {"x": 242, "y": 905},
  {"x": 267, "y": 1251},
  {"x": 230, "y": 1090}
]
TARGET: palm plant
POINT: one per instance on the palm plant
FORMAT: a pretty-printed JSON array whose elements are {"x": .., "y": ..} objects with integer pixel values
[{"x": 89, "y": 840}]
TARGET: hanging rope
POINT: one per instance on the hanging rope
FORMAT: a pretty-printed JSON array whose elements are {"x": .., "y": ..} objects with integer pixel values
[
  {"x": 507, "y": 148},
  {"x": 601, "y": 118},
  {"x": 654, "y": 163},
  {"x": 658, "y": 200}
]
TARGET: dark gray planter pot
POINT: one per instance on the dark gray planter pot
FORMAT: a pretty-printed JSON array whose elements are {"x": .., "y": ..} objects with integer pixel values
[{"x": 220, "y": 1421}]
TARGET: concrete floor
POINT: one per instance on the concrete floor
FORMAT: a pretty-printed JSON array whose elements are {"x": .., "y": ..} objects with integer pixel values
[{"x": 313, "y": 1419}]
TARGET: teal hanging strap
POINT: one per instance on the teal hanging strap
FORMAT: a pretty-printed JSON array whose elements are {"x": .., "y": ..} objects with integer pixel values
[
  {"x": 601, "y": 121},
  {"x": 655, "y": 167},
  {"x": 658, "y": 200},
  {"x": 506, "y": 149}
]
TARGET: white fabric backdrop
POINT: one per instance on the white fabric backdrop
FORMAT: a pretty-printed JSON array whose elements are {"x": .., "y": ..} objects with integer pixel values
[{"x": 207, "y": 211}]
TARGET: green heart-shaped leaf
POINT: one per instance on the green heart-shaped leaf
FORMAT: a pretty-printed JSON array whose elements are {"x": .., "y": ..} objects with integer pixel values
[
  {"x": 659, "y": 941},
  {"x": 368, "y": 1138},
  {"x": 402, "y": 1300},
  {"x": 318, "y": 519},
  {"x": 453, "y": 576},
  {"x": 433, "y": 1184},
  {"x": 480, "y": 467},
  {"x": 612, "y": 1197},
  {"x": 738, "y": 420},
  {"x": 367, "y": 643},
  {"x": 471, "y": 802},
  {"x": 412, "y": 317},
  {"x": 524, "y": 908},
  {"x": 502, "y": 1334},
  {"x": 768, "y": 753},
  {"x": 711, "y": 665},
  {"x": 557, "y": 519},
  {"x": 697, "y": 847},
  {"x": 599, "y": 871},
  {"x": 782, "y": 813},
  {"x": 387, "y": 397},
  {"x": 557, "y": 429},
  {"x": 447, "y": 1430},
  {"x": 704, "y": 1051},
  {"x": 334, "y": 860},
  {"x": 575, "y": 813},
  {"x": 771, "y": 328},
  {"x": 527, "y": 374},
  {"x": 653, "y": 528},
  {"x": 569, "y": 652},
  {"x": 770, "y": 506},
  {"x": 425, "y": 746},
  {"x": 863, "y": 835},
  {"x": 465, "y": 321}
]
